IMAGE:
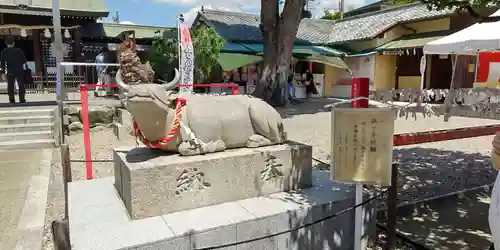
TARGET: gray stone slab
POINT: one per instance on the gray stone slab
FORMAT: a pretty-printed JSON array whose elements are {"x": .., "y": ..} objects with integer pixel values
[
  {"x": 185, "y": 222},
  {"x": 225, "y": 223},
  {"x": 152, "y": 183},
  {"x": 98, "y": 219}
]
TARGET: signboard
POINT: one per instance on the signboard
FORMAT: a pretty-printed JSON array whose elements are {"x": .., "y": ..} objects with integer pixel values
[
  {"x": 187, "y": 58},
  {"x": 362, "y": 141},
  {"x": 488, "y": 69}
]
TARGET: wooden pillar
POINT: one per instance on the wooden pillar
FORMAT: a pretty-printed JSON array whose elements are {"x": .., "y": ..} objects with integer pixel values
[
  {"x": 37, "y": 52},
  {"x": 392, "y": 203}
]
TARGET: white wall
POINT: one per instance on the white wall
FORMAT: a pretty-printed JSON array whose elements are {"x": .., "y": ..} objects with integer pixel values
[{"x": 361, "y": 66}]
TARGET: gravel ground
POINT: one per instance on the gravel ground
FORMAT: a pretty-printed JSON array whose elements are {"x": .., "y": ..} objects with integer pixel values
[
  {"x": 381, "y": 240},
  {"x": 425, "y": 170}
]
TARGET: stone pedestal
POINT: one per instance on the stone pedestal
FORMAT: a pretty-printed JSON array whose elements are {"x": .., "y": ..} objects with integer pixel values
[
  {"x": 152, "y": 183},
  {"x": 123, "y": 129},
  {"x": 100, "y": 222}
]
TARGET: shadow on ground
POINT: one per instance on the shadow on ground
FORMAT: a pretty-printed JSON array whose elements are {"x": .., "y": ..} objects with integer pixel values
[
  {"x": 450, "y": 223},
  {"x": 431, "y": 172},
  {"x": 310, "y": 106},
  {"x": 456, "y": 222}
]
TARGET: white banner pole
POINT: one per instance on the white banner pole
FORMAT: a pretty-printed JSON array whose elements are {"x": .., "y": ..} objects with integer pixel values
[{"x": 179, "y": 48}]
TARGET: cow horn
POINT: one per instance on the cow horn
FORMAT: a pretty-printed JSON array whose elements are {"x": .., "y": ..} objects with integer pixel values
[
  {"x": 171, "y": 84},
  {"x": 120, "y": 82}
]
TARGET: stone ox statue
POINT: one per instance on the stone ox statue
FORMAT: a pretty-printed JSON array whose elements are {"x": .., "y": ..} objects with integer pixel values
[{"x": 207, "y": 123}]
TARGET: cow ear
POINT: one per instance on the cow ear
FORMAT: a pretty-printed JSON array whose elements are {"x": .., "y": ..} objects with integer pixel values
[{"x": 172, "y": 97}]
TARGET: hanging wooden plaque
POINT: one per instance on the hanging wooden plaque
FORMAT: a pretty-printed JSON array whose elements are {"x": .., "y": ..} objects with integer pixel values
[{"x": 362, "y": 141}]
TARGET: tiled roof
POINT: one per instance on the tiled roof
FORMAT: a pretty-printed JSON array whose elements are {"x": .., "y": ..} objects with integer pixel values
[
  {"x": 95, "y": 8},
  {"x": 245, "y": 27},
  {"x": 413, "y": 40},
  {"x": 372, "y": 24},
  {"x": 114, "y": 30}
]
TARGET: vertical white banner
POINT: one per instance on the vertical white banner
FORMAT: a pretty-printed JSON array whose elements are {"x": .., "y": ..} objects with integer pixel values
[
  {"x": 186, "y": 59},
  {"x": 423, "y": 65}
]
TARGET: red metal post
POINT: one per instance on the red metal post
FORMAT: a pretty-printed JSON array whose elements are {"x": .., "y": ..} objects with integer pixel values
[
  {"x": 360, "y": 87},
  {"x": 86, "y": 130}
]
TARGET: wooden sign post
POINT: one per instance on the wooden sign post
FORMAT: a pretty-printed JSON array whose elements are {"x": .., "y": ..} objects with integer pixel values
[{"x": 361, "y": 150}]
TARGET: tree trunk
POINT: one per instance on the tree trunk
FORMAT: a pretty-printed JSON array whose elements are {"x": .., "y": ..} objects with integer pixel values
[{"x": 279, "y": 34}]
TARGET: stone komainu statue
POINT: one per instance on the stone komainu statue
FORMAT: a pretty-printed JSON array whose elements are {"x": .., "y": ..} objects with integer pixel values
[
  {"x": 207, "y": 123},
  {"x": 133, "y": 71}
]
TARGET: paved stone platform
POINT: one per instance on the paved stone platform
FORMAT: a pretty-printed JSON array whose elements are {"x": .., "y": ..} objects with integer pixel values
[
  {"x": 99, "y": 220},
  {"x": 24, "y": 176}
]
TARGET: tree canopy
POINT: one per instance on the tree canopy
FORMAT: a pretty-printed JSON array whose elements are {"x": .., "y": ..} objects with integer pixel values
[
  {"x": 332, "y": 15},
  {"x": 207, "y": 47},
  {"x": 401, "y": 2},
  {"x": 470, "y": 6}
]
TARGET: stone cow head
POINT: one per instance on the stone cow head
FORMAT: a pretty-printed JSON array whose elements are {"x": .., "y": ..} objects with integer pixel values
[
  {"x": 151, "y": 105},
  {"x": 148, "y": 92}
]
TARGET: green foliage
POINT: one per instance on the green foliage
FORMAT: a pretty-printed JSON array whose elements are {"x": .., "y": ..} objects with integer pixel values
[
  {"x": 330, "y": 15},
  {"x": 462, "y": 4},
  {"x": 470, "y": 6},
  {"x": 401, "y": 2},
  {"x": 207, "y": 47},
  {"x": 163, "y": 55}
]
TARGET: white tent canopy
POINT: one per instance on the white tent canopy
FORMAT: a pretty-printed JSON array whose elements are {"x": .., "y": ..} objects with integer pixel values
[{"x": 477, "y": 37}]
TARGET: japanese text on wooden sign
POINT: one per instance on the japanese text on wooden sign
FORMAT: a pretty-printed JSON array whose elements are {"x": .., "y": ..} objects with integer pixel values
[{"x": 362, "y": 141}]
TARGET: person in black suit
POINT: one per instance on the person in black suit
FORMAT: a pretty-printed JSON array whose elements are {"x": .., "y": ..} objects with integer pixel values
[{"x": 12, "y": 61}]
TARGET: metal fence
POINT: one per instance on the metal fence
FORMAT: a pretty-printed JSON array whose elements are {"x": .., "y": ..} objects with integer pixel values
[
  {"x": 47, "y": 83},
  {"x": 75, "y": 75}
]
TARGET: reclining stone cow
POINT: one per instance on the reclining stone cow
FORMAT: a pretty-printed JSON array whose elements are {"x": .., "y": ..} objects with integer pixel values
[{"x": 208, "y": 123}]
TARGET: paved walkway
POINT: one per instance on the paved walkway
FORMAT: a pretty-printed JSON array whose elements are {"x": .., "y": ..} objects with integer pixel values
[{"x": 24, "y": 176}]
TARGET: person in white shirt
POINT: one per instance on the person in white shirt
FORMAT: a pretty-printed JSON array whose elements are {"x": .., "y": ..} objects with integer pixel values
[{"x": 494, "y": 213}]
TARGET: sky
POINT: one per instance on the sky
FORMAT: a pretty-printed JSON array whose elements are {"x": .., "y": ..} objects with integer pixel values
[{"x": 163, "y": 12}]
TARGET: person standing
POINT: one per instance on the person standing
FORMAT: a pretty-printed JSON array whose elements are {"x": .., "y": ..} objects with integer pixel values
[
  {"x": 311, "y": 85},
  {"x": 99, "y": 59},
  {"x": 12, "y": 61},
  {"x": 494, "y": 211}
]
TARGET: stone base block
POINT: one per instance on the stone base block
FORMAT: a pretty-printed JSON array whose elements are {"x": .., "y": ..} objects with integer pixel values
[
  {"x": 123, "y": 129},
  {"x": 153, "y": 183},
  {"x": 98, "y": 220},
  {"x": 122, "y": 132},
  {"x": 124, "y": 117}
]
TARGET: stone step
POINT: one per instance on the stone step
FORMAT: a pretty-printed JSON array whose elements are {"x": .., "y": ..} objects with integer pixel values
[
  {"x": 7, "y": 112},
  {"x": 16, "y": 128},
  {"x": 7, "y": 120},
  {"x": 27, "y": 144},
  {"x": 26, "y": 136}
]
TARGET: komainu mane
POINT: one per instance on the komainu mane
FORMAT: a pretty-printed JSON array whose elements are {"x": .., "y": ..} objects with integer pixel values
[
  {"x": 133, "y": 71},
  {"x": 193, "y": 124}
]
